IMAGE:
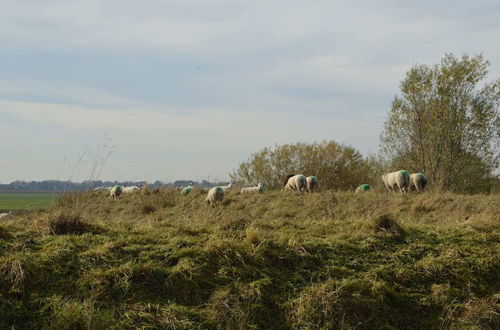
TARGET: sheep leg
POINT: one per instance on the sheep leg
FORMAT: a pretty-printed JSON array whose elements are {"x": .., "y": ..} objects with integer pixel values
[{"x": 401, "y": 189}]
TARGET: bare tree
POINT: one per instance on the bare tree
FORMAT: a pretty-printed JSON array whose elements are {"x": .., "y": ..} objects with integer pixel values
[{"x": 444, "y": 124}]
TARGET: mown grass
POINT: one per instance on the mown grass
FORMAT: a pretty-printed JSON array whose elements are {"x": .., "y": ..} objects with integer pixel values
[
  {"x": 278, "y": 260},
  {"x": 25, "y": 201}
]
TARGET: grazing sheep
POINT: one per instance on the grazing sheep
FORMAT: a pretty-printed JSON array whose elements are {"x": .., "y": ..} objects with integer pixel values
[
  {"x": 115, "y": 192},
  {"x": 5, "y": 215},
  {"x": 363, "y": 187},
  {"x": 131, "y": 189},
  {"x": 216, "y": 194},
  {"x": 297, "y": 183},
  {"x": 418, "y": 182},
  {"x": 397, "y": 180},
  {"x": 312, "y": 183},
  {"x": 285, "y": 180},
  {"x": 187, "y": 190},
  {"x": 259, "y": 188},
  {"x": 228, "y": 186}
]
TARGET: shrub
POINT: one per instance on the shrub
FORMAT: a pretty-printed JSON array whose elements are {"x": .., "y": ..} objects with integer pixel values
[
  {"x": 336, "y": 166},
  {"x": 385, "y": 223},
  {"x": 63, "y": 223}
]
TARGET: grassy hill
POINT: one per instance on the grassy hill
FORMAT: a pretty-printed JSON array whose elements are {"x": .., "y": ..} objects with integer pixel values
[{"x": 272, "y": 261}]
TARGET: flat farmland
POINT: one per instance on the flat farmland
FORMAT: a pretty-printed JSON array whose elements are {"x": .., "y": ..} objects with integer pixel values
[{"x": 25, "y": 201}]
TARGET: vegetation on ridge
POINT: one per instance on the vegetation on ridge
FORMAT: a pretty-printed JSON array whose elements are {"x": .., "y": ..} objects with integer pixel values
[{"x": 275, "y": 260}]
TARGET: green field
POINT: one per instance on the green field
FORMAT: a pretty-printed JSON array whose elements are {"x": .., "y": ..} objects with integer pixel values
[
  {"x": 25, "y": 201},
  {"x": 330, "y": 260}
]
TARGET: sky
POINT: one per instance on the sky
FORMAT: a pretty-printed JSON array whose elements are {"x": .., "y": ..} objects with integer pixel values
[{"x": 189, "y": 89}]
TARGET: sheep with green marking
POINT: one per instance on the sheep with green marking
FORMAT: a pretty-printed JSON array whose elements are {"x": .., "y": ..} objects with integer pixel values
[
  {"x": 186, "y": 190},
  {"x": 363, "y": 188},
  {"x": 397, "y": 180},
  {"x": 216, "y": 194},
  {"x": 297, "y": 183},
  {"x": 418, "y": 182},
  {"x": 312, "y": 183},
  {"x": 115, "y": 192}
]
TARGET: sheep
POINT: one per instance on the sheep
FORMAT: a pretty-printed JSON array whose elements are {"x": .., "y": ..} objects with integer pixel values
[
  {"x": 186, "y": 190},
  {"x": 312, "y": 183},
  {"x": 259, "y": 188},
  {"x": 216, "y": 194},
  {"x": 102, "y": 188},
  {"x": 362, "y": 188},
  {"x": 285, "y": 180},
  {"x": 131, "y": 189},
  {"x": 397, "y": 180},
  {"x": 115, "y": 192},
  {"x": 297, "y": 183},
  {"x": 418, "y": 182},
  {"x": 5, "y": 215},
  {"x": 228, "y": 186}
]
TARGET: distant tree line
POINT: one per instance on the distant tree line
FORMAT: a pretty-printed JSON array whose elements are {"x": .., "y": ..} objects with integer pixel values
[{"x": 62, "y": 186}]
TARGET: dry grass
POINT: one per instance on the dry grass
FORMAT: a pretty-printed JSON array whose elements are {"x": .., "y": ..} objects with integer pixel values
[{"x": 275, "y": 260}]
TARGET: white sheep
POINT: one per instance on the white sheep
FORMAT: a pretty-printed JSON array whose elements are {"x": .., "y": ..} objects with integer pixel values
[
  {"x": 228, "y": 186},
  {"x": 131, "y": 189},
  {"x": 259, "y": 188},
  {"x": 312, "y": 183},
  {"x": 216, "y": 194},
  {"x": 115, "y": 192},
  {"x": 297, "y": 183},
  {"x": 418, "y": 182},
  {"x": 5, "y": 215},
  {"x": 397, "y": 180},
  {"x": 102, "y": 188},
  {"x": 362, "y": 188}
]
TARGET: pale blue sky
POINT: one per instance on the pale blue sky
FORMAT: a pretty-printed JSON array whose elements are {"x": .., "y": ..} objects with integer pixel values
[{"x": 189, "y": 89}]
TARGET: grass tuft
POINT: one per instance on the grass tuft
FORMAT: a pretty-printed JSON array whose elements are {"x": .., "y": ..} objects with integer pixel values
[
  {"x": 341, "y": 304},
  {"x": 386, "y": 223},
  {"x": 148, "y": 209},
  {"x": 65, "y": 223},
  {"x": 12, "y": 273},
  {"x": 482, "y": 313},
  {"x": 4, "y": 233}
]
